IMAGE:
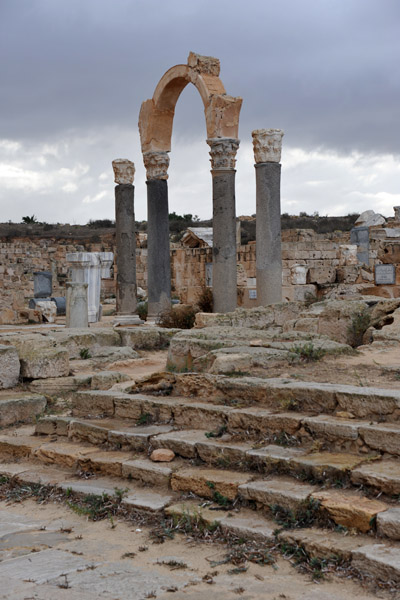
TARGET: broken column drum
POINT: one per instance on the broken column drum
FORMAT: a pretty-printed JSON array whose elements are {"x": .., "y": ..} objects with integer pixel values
[
  {"x": 76, "y": 305},
  {"x": 86, "y": 268},
  {"x": 124, "y": 171},
  {"x": 155, "y": 125},
  {"x": 158, "y": 252},
  {"x": 223, "y": 152},
  {"x": 267, "y": 145}
]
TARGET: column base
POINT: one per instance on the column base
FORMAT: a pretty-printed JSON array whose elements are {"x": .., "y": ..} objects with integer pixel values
[{"x": 127, "y": 320}]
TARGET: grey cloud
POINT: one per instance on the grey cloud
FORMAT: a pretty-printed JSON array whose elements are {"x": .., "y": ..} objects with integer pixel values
[{"x": 325, "y": 71}]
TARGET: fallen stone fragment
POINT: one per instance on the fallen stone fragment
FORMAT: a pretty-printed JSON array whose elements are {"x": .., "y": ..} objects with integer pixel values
[{"x": 162, "y": 455}]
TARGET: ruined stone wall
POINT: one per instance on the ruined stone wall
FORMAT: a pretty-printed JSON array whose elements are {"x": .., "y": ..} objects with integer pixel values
[
  {"x": 314, "y": 266},
  {"x": 20, "y": 257}
]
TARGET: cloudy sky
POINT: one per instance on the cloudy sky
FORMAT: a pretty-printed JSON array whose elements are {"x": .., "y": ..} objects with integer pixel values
[{"x": 74, "y": 73}]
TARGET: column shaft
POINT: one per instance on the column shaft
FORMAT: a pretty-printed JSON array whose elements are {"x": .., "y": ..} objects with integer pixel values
[
  {"x": 126, "y": 249},
  {"x": 158, "y": 252},
  {"x": 224, "y": 241},
  {"x": 268, "y": 233}
]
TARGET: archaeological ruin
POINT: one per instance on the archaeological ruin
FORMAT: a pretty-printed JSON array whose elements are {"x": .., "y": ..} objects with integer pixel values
[{"x": 267, "y": 428}]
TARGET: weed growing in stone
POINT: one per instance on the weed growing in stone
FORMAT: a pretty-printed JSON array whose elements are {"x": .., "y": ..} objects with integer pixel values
[
  {"x": 144, "y": 419},
  {"x": 217, "y": 496},
  {"x": 84, "y": 353},
  {"x": 360, "y": 321},
  {"x": 304, "y": 516},
  {"x": 284, "y": 439},
  {"x": 237, "y": 373},
  {"x": 216, "y": 434},
  {"x": 305, "y": 353}
]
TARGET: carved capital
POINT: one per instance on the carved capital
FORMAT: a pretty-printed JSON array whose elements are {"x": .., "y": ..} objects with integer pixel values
[
  {"x": 156, "y": 164},
  {"x": 124, "y": 170},
  {"x": 267, "y": 144},
  {"x": 223, "y": 153}
]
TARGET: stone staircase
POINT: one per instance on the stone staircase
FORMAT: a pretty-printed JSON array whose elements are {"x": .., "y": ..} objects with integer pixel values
[{"x": 318, "y": 462}]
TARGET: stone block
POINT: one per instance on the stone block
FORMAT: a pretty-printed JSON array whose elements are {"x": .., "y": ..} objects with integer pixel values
[
  {"x": 298, "y": 274},
  {"x": 348, "y": 274},
  {"x": 206, "y": 482},
  {"x": 350, "y": 510},
  {"x": 104, "y": 380},
  {"x": 9, "y": 367},
  {"x": 147, "y": 472},
  {"x": 388, "y": 523},
  {"x": 378, "y": 561},
  {"x": 20, "y": 408},
  {"x": 321, "y": 275},
  {"x": 40, "y": 363}
]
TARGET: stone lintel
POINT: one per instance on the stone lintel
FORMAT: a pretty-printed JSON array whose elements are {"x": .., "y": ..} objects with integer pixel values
[
  {"x": 223, "y": 153},
  {"x": 267, "y": 145},
  {"x": 156, "y": 164},
  {"x": 124, "y": 171}
]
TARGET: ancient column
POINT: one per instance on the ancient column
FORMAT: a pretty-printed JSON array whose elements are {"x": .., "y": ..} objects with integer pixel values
[
  {"x": 86, "y": 268},
  {"x": 158, "y": 258},
  {"x": 223, "y": 152},
  {"x": 124, "y": 172},
  {"x": 267, "y": 145},
  {"x": 76, "y": 304}
]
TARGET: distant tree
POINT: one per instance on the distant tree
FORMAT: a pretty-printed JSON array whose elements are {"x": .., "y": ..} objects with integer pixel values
[{"x": 29, "y": 220}]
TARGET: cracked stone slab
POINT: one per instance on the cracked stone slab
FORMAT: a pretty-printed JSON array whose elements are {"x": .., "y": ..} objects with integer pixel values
[{"x": 41, "y": 567}]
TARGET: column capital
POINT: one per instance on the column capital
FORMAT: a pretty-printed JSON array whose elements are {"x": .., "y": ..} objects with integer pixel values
[
  {"x": 124, "y": 170},
  {"x": 223, "y": 153},
  {"x": 267, "y": 145},
  {"x": 156, "y": 163}
]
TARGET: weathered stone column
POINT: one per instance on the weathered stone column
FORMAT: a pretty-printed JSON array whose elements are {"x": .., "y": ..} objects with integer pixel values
[
  {"x": 86, "y": 268},
  {"x": 267, "y": 145},
  {"x": 76, "y": 305},
  {"x": 223, "y": 152},
  {"x": 158, "y": 257},
  {"x": 124, "y": 172}
]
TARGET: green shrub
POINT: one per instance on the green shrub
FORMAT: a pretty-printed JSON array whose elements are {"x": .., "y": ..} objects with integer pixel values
[
  {"x": 205, "y": 301},
  {"x": 360, "y": 321},
  {"x": 180, "y": 317},
  {"x": 306, "y": 353},
  {"x": 142, "y": 310}
]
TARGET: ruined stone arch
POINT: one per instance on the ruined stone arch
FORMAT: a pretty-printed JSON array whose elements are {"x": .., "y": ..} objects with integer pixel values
[
  {"x": 155, "y": 125},
  {"x": 157, "y": 114}
]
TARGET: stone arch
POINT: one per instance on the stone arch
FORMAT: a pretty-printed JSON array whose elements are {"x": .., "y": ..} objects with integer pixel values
[{"x": 157, "y": 114}]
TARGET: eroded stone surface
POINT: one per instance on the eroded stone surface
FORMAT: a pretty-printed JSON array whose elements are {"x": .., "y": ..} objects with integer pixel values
[
  {"x": 349, "y": 509},
  {"x": 378, "y": 561},
  {"x": 9, "y": 367},
  {"x": 388, "y": 523},
  {"x": 205, "y": 482},
  {"x": 20, "y": 408},
  {"x": 383, "y": 475}
]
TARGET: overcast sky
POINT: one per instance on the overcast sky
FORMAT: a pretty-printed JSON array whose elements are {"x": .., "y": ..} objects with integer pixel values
[{"x": 73, "y": 74}]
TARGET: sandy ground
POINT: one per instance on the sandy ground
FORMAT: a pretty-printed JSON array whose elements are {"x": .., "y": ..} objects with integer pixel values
[{"x": 119, "y": 561}]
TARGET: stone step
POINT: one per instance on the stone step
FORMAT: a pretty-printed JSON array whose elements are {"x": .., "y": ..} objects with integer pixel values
[
  {"x": 220, "y": 452},
  {"x": 303, "y": 501},
  {"x": 221, "y": 485},
  {"x": 281, "y": 393},
  {"x": 133, "y": 497},
  {"x": 377, "y": 562},
  {"x": 20, "y": 407},
  {"x": 336, "y": 433}
]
